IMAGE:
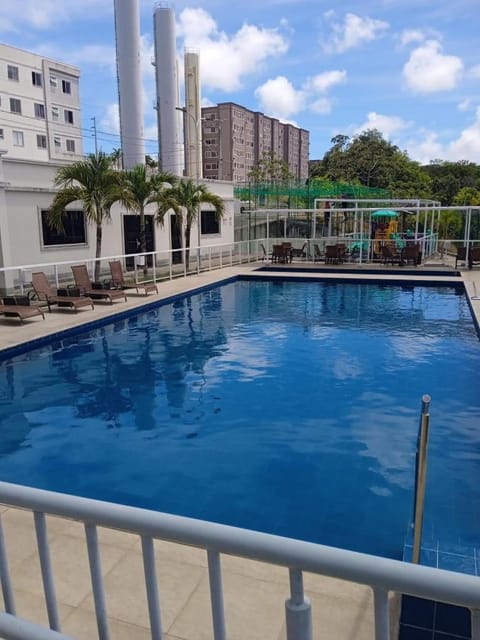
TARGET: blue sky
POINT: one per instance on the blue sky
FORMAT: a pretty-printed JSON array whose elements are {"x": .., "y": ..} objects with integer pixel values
[{"x": 408, "y": 68}]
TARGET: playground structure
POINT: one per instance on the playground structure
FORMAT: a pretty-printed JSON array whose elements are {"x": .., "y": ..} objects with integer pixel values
[{"x": 363, "y": 226}]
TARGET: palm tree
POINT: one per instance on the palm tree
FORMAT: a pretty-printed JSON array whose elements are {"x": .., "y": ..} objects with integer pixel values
[
  {"x": 140, "y": 188},
  {"x": 93, "y": 182},
  {"x": 188, "y": 196}
]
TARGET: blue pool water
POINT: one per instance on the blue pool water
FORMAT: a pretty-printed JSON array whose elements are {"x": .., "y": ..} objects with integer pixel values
[{"x": 287, "y": 407}]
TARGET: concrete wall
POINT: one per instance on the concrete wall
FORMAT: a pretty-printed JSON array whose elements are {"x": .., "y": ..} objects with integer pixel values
[{"x": 27, "y": 187}]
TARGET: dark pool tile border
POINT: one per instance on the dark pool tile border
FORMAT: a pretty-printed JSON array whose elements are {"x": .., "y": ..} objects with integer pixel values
[
  {"x": 36, "y": 343},
  {"x": 358, "y": 279},
  {"x": 368, "y": 271}
]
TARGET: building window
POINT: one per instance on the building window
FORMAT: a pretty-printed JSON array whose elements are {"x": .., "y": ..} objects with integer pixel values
[
  {"x": 36, "y": 79},
  {"x": 66, "y": 86},
  {"x": 12, "y": 72},
  {"x": 15, "y": 105},
  {"x": 68, "y": 116},
  {"x": 39, "y": 110},
  {"x": 2, "y": 135},
  {"x": 210, "y": 223},
  {"x": 18, "y": 138},
  {"x": 41, "y": 142},
  {"x": 73, "y": 229},
  {"x": 56, "y": 141},
  {"x": 55, "y": 113},
  {"x": 53, "y": 82},
  {"x": 70, "y": 145}
]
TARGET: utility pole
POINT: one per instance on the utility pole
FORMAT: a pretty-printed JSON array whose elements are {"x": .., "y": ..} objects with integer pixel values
[{"x": 95, "y": 134}]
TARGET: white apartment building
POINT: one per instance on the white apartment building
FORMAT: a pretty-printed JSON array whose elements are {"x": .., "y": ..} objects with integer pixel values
[{"x": 40, "y": 117}]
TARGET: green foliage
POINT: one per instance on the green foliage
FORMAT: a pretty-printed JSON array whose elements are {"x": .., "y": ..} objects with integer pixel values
[
  {"x": 271, "y": 169},
  {"x": 448, "y": 178},
  {"x": 468, "y": 196},
  {"x": 140, "y": 188},
  {"x": 187, "y": 197},
  {"x": 371, "y": 161},
  {"x": 93, "y": 182}
]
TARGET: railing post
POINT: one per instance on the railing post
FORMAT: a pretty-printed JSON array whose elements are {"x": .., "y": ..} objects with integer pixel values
[
  {"x": 382, "y": 614},
  {"x": 420, "y": 478},
  {"x": 475, "y": 623},
  {"x": 7, "y": 590},
  {"x": 216, "y": 595},
  {"x": 46, "y": 569},
  {"x": 298, "y": 611}
]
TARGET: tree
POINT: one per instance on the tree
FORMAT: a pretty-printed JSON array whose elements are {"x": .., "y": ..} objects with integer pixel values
[
  {"x": 188, "y": 196},
  {"x": 448, "y": 178},
  {"x": 270, "y": 169},
  {"x": 139, "y": 188},
  {"x": 371, "y": 161},
  {"x": 93, "y": 182}
]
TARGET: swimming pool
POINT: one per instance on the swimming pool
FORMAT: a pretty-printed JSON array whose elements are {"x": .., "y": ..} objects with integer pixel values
[{"x": 287, "y": 407}]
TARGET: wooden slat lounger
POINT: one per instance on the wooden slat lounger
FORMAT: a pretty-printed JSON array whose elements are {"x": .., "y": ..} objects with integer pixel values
[{"x": 20, "y": 311}]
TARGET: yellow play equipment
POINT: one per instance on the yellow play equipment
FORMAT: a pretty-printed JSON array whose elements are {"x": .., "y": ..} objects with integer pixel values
[{"x": 384, "y": 227}]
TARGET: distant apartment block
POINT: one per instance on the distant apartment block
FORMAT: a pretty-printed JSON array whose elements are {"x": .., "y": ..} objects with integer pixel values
[
  {"x": 40, "y": 116},
  {"x": 235, "y": 138}
]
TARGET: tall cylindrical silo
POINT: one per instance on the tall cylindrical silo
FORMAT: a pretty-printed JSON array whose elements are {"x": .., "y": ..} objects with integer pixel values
[
  {"x": 193, "y": 115},
  {"x": 169, "y": 139},
  {"x": 129, "y": 76}
]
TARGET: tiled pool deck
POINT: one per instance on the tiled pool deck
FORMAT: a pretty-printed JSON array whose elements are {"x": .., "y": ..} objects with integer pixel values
[{"x": 254, "y": 592}]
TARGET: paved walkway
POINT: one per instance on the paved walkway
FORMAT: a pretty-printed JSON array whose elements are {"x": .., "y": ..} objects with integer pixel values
[{"x": 254, "y": 592}]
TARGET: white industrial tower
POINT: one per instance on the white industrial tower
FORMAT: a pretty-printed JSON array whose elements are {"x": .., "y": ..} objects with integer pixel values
[
  {"x": 169, "y": 118},
  {"x": 129, "y": 75},
  {"x": 193, "y": 116}
]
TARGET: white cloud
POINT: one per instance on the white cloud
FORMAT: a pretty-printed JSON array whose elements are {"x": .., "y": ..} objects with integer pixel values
[
  {"x": 14, "y": 16},
  {"x": 427, "y": 146},
  {"x": 279, "y": 98},
  {"x": 475, "y": 72},
  {"x": 321, "y": 106},
  {"x": 323, "y": 81},
  {"x": 467, "y": 146},
  {"x": 111, "y": 119},
  {"x": 388, "y": 125},
  {"x": 225, "y": 60},
  {"x": 353, "y": 32},
  {"x": 429, "y": 70},
  {"x": 411, "y": 35},
  {"x": 464, "y": 105}
]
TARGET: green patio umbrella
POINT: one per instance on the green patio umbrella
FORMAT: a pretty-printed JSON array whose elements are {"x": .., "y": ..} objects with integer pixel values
[{"x": 385, "y": 213}]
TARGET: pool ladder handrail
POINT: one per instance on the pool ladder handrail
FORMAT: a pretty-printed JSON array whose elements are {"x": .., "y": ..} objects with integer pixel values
[{"x": 420, "y": 477}]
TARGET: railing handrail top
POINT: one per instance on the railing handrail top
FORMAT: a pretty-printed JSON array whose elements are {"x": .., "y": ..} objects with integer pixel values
[{"x": 377, "y": 572}]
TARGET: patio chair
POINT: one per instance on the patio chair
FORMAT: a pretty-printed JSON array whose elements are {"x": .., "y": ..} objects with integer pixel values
[
  {"x": 317, "y": 254},
  {"x": 119, "y": 281},
  {"x": 473, "y": 256},
  {"x": 332, "y": 254},
  {"x": 411, "y": 253},
  {"x": 82, "y": 281},
  {"x": 390, "y": 255},
  {"x": 20, "y": 311},
  {"x": 45, "y": 293},
  {"x": 300, "y": 253},
  {"x": 461, "y": 255},
  {"x": 264, "y": 256}
]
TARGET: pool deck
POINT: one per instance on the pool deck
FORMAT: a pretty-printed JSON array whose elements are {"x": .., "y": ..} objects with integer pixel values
[{"x": 254, "y": 592}]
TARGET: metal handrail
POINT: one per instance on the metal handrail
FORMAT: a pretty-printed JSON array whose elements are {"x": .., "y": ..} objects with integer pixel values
[
  {"x": 420, "y": 477},
  {"x": 381, "y": 574}
]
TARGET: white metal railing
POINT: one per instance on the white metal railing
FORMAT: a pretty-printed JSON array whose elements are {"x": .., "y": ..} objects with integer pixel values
[
  {"x": 170, "y": 264},
  {"x": 380, "y": 574}
]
